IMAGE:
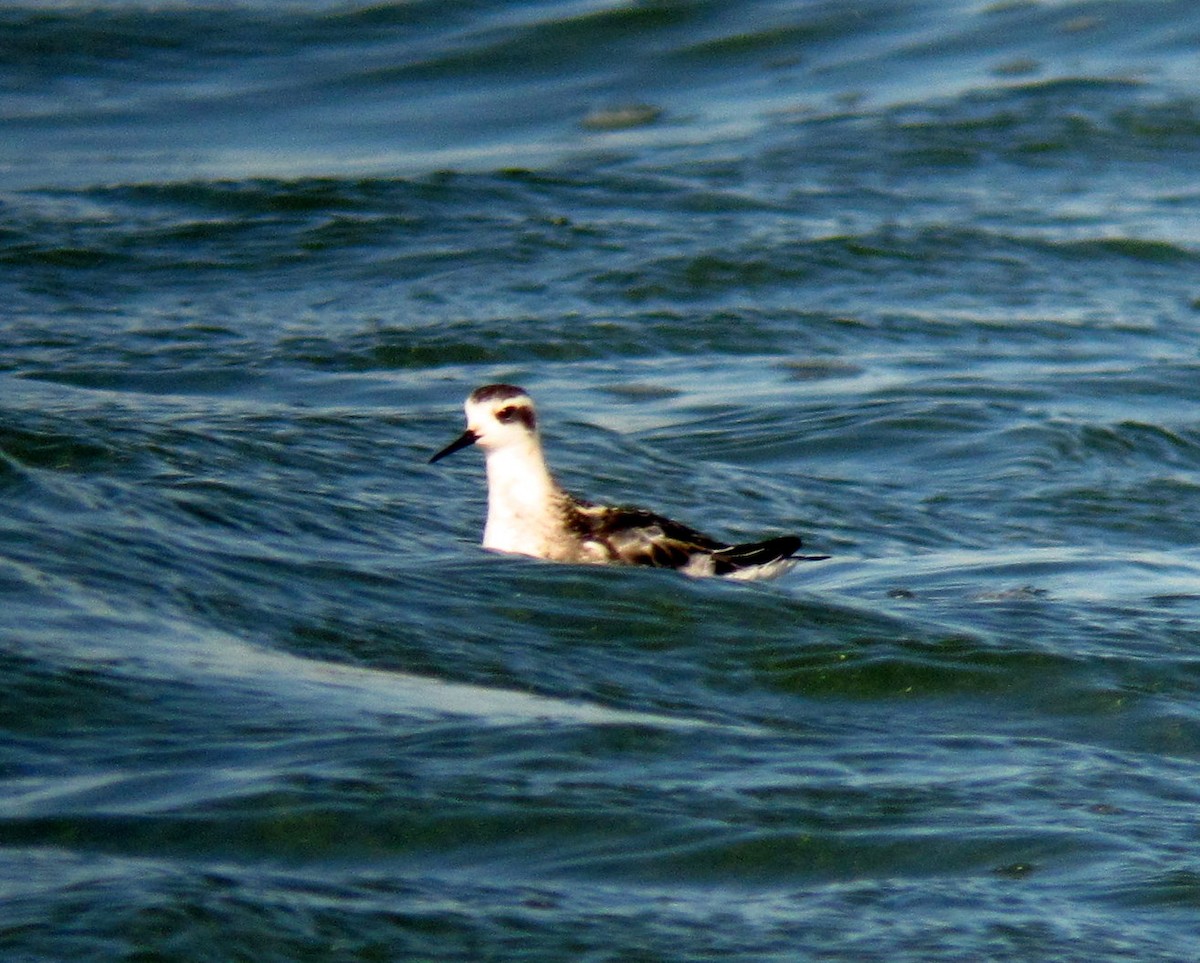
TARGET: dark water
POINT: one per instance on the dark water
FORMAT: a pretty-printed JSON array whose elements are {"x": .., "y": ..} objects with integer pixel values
[{"x": 918, "y": 280}]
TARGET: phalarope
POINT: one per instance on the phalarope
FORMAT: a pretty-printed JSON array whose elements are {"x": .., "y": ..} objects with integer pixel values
[{"x": 529, "y": 514}]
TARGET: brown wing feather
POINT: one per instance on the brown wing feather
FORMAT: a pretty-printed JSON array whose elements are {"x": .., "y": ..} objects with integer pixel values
[{"x": 636, "y": 536}]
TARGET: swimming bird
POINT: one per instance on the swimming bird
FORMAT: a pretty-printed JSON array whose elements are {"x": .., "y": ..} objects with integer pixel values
[{"x": 530, "y": 514}]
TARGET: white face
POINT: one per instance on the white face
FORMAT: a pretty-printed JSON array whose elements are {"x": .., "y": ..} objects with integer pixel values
[
  {"x": 497, "y": 416},
  {"x": 500, "y": 419}
]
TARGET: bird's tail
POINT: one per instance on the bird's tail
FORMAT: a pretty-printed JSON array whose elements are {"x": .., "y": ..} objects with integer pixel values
[{"x": 775, "y": 552}]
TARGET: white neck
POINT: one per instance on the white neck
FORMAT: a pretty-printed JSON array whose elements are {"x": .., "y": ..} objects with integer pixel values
[{"x": 523, "y": 501}]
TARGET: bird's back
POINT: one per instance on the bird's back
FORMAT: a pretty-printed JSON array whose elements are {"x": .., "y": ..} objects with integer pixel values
[{"x": 635, "y": 536}]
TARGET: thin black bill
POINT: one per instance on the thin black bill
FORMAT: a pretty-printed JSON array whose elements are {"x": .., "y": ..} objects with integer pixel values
[{"x": 467, "y": 438}]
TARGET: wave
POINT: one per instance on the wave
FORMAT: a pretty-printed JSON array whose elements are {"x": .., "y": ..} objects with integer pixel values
[{"x": 407, "y": 87}]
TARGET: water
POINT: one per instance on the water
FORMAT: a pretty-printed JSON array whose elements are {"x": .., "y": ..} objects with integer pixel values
[{"x": 917, "y": 280}]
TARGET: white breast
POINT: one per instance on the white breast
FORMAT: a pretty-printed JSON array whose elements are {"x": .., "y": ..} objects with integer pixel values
[{"x": 525, "y": 507}]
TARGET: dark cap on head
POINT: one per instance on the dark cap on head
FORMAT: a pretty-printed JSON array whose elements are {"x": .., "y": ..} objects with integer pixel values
[{"x": 497, "y": 393}]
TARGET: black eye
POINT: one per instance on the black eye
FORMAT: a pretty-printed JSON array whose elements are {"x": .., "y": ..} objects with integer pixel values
[{"x": 510, "y": 413}]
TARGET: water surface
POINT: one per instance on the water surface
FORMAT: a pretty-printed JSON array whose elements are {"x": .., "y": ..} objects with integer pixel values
[{"x": 916, "y": 280}]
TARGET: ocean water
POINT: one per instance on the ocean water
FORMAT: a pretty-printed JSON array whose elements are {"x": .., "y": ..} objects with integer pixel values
[{"x": 917, "y": 280}]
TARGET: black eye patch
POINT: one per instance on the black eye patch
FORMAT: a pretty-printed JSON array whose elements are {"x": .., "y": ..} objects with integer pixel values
[{"x": 510, "y": 413}]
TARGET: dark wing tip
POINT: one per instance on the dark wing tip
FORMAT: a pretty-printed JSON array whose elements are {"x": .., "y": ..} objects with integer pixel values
[{"x": 759, "y": 553}]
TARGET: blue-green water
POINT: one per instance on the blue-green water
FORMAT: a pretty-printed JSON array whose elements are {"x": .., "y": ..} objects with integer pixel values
[{"x": 917, "y": 280}]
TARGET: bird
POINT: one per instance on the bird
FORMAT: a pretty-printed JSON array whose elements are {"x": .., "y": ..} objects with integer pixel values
[{"x": 529, "y": 513}]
